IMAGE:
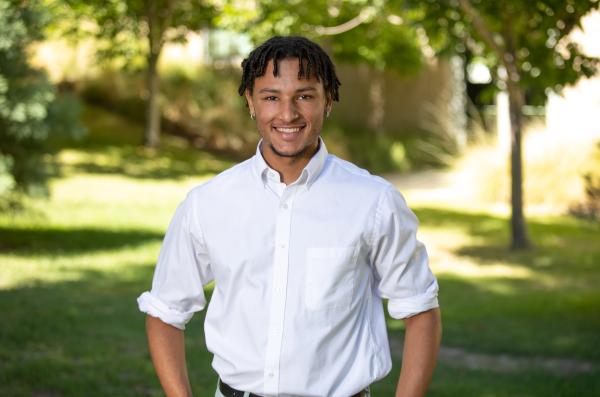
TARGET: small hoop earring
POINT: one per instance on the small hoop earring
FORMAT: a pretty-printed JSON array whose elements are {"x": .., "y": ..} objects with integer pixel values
[
  {"x": 252, "y": 116},
  {"x": 327, "y": 113}
]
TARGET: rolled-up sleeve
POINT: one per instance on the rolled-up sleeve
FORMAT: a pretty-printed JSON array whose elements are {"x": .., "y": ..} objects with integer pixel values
[
  {"x": 182, "y": 269},
  {"x": 399, "y": 260}
]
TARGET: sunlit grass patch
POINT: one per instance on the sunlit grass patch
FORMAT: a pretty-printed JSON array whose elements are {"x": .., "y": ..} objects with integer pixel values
[
  {"x": 498, "y": 300},
  {"x": 20, "y": 269}
]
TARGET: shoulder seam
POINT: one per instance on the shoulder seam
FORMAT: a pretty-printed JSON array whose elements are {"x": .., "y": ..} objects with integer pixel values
[{"x": 341, "y": 163}]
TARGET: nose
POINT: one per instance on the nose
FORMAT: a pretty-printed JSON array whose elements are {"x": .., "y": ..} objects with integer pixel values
[{"x": 288, "y": 111}]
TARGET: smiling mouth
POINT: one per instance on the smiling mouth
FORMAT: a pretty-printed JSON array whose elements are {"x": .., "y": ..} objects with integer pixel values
[{"x": 288, "y": 130}]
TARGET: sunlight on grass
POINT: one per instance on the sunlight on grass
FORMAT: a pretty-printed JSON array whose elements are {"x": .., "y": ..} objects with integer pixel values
[
  {"x": 20, "y": 271},
  {"x": 118, "y": 190},
  {"x": 109, "y": 204},
  {"x": 98, "y": 222},
  {"x": 491, "y": 276},
  {"x": 114, "y": 201},
  {"x": 440, "y": 245}
]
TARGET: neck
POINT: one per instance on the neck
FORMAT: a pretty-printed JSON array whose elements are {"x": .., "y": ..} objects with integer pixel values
[{"x": 289, "y": 168}]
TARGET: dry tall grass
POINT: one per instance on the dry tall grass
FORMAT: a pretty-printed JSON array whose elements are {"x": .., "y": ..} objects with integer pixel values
[{"x": 554, "y": 163}]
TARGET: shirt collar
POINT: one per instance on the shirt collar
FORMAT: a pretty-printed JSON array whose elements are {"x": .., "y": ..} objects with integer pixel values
[{"x": 309, "y": 173}]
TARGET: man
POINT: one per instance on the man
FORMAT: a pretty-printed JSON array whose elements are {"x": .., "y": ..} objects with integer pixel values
[{"x": 302, "y": 247}]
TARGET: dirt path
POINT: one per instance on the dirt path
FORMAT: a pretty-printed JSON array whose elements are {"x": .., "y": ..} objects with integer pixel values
[
  {"x": 503, "y": 362},
  {"x": 428, "y": 186}
]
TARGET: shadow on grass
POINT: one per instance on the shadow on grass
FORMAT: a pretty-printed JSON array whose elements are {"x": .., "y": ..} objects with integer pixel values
[
  {"x": 560, "y": 246},
  {"x": 71, "y": 241},
  {"x": 167, "y": 163},
  {"x": 503, "y": 315},
  {"x": 87, "y": 338},
  {"x": 550, "y": 309}
]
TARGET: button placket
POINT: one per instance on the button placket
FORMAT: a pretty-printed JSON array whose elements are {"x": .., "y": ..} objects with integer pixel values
[{"x": 278, "y": 292}]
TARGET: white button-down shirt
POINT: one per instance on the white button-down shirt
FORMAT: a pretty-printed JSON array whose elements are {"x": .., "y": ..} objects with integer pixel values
[{"x": 300, "y": 271}]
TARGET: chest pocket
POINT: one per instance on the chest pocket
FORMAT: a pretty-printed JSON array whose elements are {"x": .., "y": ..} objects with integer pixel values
[{"x": 330, "y": 277}]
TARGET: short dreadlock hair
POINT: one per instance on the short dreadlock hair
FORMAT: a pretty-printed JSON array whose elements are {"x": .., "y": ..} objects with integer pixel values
[{"x": 313, "y": 60}]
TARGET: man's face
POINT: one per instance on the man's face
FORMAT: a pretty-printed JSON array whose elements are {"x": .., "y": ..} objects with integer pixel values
[{"x": 289, "y": 111}]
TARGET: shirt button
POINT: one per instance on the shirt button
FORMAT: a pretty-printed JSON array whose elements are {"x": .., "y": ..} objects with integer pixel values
[
  {"x": 282, "y": 245},
  {"x": 285, "y": 206},
  {"x": 271, "y": 374}
]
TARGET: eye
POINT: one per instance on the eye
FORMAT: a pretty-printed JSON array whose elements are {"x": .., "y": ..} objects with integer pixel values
[
  {"x": 305, "y": 97},
  {"x": 270, "y": 98}
]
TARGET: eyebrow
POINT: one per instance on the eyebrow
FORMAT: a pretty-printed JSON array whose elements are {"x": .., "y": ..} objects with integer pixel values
[{"x": 276, "y": 91}]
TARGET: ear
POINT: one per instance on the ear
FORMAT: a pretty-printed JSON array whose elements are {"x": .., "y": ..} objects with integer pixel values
[
  {"x": 249, "y": 101},
  {"x": 328, "y": 104}
]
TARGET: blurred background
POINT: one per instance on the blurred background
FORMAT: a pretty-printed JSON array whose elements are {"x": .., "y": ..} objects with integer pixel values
[{"x": 485, "y": 115}]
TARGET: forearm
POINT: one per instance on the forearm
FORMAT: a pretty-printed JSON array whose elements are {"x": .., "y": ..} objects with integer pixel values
[
  {"x": 167, "y": 349},
  {"x": 421, "y": 345}
]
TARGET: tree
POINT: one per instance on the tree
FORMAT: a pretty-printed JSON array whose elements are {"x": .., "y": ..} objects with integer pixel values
[
  {"x": 31, "y": 112},
  {"x": 120, "y": 24},
  {"x": 527, "y": 44}
]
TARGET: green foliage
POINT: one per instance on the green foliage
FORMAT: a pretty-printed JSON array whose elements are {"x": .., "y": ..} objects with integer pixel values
[
  {"x": 207, "y": 103},
  {"x": 203, "y": 105},
  {"x": 31, "y": 111},
  {"x": 382, "y": 45},
  {"x": 374, "y": 33},
  {"x": 536, "y": 32},
  {"x": 123, "y": 28},
  {"x": 132, "y": 34}
]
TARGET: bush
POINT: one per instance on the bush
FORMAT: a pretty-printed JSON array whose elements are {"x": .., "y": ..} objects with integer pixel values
[
  {"x": 207, "y": 102},
  {"x": 201, "y": 105},
  {"x": 30, "y": 108}
]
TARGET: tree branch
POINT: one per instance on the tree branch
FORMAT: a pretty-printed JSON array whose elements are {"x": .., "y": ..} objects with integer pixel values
[
  {"x": 361, "y": 18},
  {"x": 166, "y": 19},
  {"x": 481, "y": 28}
]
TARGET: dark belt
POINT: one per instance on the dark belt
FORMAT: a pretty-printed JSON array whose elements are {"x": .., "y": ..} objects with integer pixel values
[{"x": 229, "y": 391}]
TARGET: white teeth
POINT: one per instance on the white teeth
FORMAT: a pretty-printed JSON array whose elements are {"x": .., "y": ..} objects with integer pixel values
[{"x": 288, "y": 130}]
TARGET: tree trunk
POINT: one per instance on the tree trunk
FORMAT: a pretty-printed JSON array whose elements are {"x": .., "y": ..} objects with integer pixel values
[
  {"x": 152, "y": 127},
  {"x": 507, "y": 55},
  {"x": 520, "y": 239},
  {"x": 377, "y": 102}
]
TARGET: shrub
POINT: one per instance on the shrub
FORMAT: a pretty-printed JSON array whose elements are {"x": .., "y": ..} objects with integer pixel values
[
  {"x": 30, "y": 108},
  {"x": 201, "y": 105}
]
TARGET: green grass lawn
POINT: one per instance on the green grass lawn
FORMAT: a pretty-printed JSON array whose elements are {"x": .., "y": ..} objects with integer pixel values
[{"x": 72, "y": 266}]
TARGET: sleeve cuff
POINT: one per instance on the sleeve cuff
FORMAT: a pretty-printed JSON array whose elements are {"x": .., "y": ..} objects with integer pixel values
[
  {"x": 153, "y": 306},
  {"x": 407, "y": 307}
]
